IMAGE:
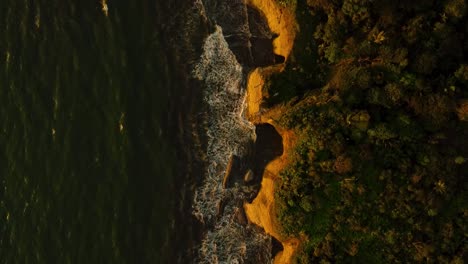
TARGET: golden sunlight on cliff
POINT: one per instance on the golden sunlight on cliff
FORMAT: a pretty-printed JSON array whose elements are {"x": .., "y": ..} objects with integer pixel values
[
  {"x": 262, "y": 210},
  {"x": 254, "y": 93},
  {"x": 281, "y": 21}
]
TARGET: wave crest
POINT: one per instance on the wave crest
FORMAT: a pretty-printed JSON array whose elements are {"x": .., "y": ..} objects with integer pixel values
[{"x": 228, "y": 133}]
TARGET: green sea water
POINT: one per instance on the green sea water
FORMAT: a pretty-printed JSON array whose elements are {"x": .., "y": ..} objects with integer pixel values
[{"x": 86, "y": 157}]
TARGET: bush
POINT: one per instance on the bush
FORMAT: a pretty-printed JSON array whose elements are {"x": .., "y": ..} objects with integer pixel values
[{"x": 377, "y": 175}]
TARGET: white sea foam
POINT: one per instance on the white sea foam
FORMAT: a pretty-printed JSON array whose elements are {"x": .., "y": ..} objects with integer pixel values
[{"x": 228, "y": 134}]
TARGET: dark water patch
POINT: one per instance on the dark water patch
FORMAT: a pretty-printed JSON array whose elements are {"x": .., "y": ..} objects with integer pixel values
[{"x": 89, "y": 153}]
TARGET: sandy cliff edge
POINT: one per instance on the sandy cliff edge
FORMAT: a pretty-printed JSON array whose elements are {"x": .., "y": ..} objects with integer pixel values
[{"x": 262, "y": 210}]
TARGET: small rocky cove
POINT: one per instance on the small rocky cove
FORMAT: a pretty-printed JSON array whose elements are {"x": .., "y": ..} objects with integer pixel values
[
  {"x": 248, "y": 170},
  {"x": 246, "y": 31},
  {"x": 237, "y": 150}
]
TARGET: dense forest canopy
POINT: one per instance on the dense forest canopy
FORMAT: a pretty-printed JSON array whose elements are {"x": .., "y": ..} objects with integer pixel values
[{"x": 376, "y": 91}]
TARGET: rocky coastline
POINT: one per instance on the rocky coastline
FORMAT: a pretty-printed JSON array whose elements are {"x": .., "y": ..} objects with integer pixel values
[
  {"x": 263, "y": 53},
  {"x": 261, "y": 211},
  {"x": 260, "y": 35}
]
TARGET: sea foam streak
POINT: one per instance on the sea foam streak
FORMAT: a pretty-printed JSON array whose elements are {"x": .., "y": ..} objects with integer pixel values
[{"x": 228, "y": 134}]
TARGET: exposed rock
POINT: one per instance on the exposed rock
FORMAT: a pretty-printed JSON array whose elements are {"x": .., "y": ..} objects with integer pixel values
[
  {"x": 249, "y": 176},
  {"x": 261, "y": 40},
  {"x": 258, "y": 24},
  {"x": 261, "y": 211},
  {"x": 246, "y": 30}
]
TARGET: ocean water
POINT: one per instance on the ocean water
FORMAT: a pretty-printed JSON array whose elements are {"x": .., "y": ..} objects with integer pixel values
[
  {"x": 87, "y": 156},
  {"x": 117, "y": 121}
]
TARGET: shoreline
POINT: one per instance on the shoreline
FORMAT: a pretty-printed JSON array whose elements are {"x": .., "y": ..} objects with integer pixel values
[
  {"x": 280, "y": 21},
  {"x": 261, "y": 211}
]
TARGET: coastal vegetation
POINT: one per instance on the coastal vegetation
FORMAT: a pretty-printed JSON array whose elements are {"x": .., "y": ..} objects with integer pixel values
[{"x": 376, "y": 92}]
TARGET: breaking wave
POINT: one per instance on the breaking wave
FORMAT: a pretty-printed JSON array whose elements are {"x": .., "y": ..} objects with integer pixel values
[{"x": 228, "y": 133}]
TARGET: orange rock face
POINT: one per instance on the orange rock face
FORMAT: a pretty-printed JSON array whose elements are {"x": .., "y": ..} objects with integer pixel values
[{"x": 262, "y": 210}]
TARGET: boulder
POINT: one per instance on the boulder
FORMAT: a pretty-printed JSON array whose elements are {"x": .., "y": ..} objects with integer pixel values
[{"x": 249, "y": 176}]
